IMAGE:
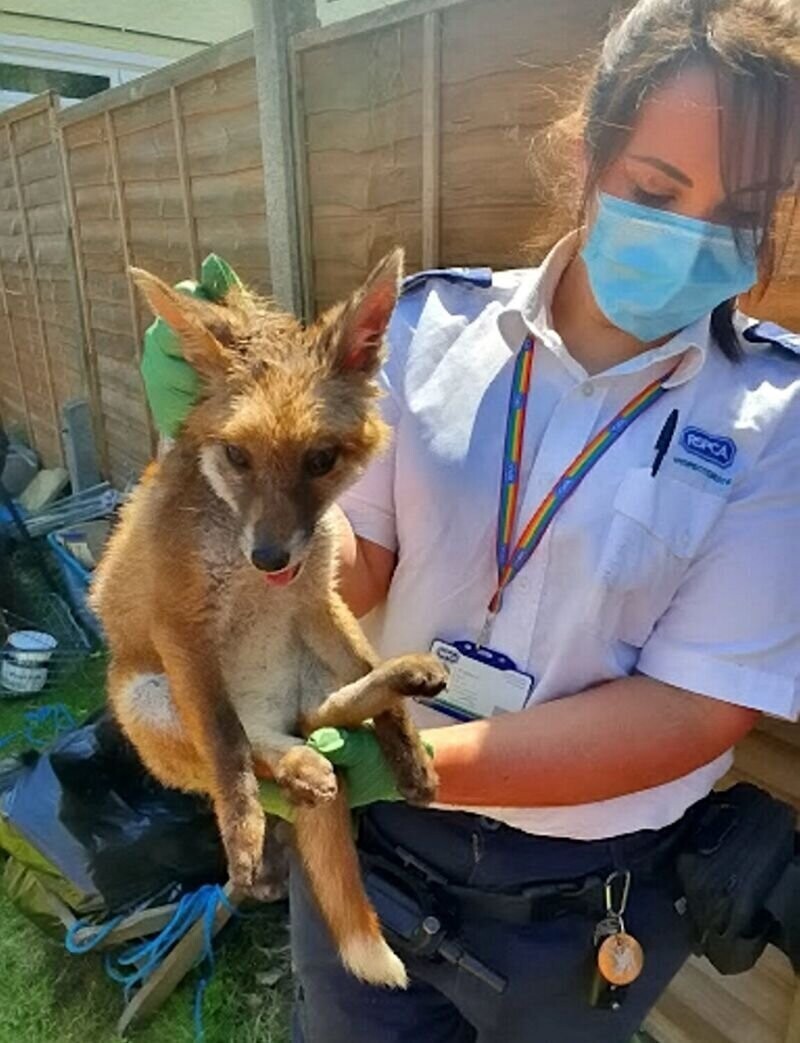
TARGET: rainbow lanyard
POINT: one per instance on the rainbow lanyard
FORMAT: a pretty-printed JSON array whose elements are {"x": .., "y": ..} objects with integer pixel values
[{"x": 510, "y": 562}]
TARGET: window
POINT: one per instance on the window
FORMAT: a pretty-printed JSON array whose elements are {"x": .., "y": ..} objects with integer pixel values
[{"x": 32, "y": 80}]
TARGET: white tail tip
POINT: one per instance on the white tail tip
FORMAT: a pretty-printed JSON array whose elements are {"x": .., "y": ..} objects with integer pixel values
[{"x": 371, "y": 960}]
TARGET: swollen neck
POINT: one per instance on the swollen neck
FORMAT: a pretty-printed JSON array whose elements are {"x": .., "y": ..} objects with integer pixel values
[{"x": 588, "y": 335}]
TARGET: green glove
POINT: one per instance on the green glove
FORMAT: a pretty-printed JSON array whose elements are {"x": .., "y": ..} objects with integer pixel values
[
  {"x": 359, "y": 758},
  {"x": 171, "y": 384}
]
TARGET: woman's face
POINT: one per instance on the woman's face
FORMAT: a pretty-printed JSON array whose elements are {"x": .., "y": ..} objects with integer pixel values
[{"x": 672, "y": 158}]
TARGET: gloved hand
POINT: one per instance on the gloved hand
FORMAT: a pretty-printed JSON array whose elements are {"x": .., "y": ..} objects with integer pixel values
[
  {"x": 359, "y": 759},
  {"x": 172, "y": 385}
]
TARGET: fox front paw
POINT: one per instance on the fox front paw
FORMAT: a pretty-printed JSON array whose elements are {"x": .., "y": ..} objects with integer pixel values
[
  {"x": 307, "y": 777},
  {"x": 418, "y": 676},
  {"x": 417, "y": 780}
]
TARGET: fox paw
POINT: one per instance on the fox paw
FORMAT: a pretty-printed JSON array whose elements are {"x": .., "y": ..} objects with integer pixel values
[
  {"x": 417, "y": 781},
  {"x": 421, "y": 675},
  {"x": 243, "y": 837},
  {"x": 306, "y": 776}
]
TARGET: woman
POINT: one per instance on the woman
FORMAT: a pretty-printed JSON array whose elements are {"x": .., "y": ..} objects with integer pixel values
[{"x": 653, "y": 602}]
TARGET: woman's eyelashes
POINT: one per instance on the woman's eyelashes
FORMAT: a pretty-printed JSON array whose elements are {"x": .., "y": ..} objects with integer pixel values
[{"x": 658, "y": 200}]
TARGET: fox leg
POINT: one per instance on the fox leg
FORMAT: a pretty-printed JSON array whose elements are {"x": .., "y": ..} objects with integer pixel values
[
  {"x": 142, "y": 704},
  {"x": 221, "y": 764},
  {"x": 307, "y": 777},
  {"x": 378, "y": 693}
]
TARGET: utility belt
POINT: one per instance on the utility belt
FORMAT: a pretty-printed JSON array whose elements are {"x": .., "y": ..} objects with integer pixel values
[{"x": 732, "y": 863}]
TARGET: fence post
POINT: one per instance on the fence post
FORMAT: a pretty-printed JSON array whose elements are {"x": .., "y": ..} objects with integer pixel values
[
  {"x": 431, "y": 138},
  {"x": 274, "y": 23}
]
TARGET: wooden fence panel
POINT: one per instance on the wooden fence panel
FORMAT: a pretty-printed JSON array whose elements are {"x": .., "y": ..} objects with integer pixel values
[
  {"x": 100, "y": 234},
  {"x": 362, "y": 127},
  {"x": 160, "y": 173},
  {"x": 41, "y": 341}
]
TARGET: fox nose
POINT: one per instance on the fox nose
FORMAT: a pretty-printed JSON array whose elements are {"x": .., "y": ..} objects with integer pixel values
[{"x": 270, "y": 559}]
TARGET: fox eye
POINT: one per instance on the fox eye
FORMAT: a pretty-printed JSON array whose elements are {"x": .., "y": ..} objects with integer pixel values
[
  {"x": 238, "y": 457},
  {"x": 320, "y": 462}
]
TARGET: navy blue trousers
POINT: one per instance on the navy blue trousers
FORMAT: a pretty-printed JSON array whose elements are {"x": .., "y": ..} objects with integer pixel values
[{"x": 545, "y": 963}]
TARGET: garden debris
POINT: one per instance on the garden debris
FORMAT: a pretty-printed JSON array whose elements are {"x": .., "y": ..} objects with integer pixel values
[
  {"x": 43, "y": 489},
  {"x": 85, "y": 542},
  {"x": 21, "y": 465},
  {"x": 93, "y": 503},
  {"x": 269, "y": 979}
]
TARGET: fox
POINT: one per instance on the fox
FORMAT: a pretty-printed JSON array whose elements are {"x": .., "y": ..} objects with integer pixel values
[{"x": 218, "y": 591}]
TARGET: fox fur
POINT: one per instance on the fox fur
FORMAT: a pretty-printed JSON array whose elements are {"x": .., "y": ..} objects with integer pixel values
[{"x": 218, "y": 591}]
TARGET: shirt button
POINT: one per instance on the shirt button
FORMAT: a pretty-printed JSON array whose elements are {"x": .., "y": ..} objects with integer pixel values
[{"x": 588, "y": 390}]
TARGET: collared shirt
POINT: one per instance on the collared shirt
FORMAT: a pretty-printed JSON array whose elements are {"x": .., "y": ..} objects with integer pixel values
[{"x": 691, "y": 577}]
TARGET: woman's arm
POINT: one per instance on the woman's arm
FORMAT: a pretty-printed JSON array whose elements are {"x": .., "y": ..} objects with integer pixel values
[
  {"x": 616, "y": 738},
  {"x": 365, "y": 568}
]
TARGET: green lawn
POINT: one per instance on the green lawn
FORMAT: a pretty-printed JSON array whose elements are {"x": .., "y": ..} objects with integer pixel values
[{"x": 49, "y": 996}]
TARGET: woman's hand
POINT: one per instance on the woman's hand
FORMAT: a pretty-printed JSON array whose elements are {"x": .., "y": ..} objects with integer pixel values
[
  {"x": 359, "y": 760},
  {"x": 171, "y": 384}
]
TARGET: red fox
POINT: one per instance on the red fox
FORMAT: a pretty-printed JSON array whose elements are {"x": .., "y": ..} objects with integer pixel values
[{"x": 218, "y": 594}]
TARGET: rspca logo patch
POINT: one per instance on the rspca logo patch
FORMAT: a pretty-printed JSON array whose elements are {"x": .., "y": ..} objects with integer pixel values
[{"x": 714, "y": 449}]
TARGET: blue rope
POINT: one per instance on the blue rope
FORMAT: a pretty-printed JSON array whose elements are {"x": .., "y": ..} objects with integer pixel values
[
  {"x": 133, "y": 965},
  {"x": 41, "y": 725},
  {"x": 93, "y": 938}
]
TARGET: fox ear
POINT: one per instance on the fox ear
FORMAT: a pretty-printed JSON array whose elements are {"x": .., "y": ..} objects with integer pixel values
[
  {"x": 192, "y": 320},
  {"x": 362, "y": 324}
]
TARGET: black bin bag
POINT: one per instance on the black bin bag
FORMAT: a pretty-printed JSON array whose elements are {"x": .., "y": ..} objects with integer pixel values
[{"x": 85, "y": 821}]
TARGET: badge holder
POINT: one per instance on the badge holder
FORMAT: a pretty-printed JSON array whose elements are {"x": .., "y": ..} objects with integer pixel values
[{"x": 482, "y": 682}]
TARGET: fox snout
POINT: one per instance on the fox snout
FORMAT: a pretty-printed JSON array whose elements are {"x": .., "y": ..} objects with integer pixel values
[
  {"x": 270, "y": 558},
  {"x": 278, "y": 558}
]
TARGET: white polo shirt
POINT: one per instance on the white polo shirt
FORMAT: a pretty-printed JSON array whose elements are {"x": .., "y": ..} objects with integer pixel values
[{"x": 691, "y": 577}]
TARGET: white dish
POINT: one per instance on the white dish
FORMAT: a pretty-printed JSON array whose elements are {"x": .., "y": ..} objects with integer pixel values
[{"x": 30, "y": 646}]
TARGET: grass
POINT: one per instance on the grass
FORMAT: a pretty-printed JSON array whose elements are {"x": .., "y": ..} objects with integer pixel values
[{"x": 49, "y": 996}]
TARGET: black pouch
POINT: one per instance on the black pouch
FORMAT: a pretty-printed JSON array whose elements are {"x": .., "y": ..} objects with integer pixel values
[{"x": 738, "y": 846}]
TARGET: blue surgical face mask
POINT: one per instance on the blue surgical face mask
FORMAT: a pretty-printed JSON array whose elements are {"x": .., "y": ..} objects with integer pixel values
[{"x": 653, "y": 272}]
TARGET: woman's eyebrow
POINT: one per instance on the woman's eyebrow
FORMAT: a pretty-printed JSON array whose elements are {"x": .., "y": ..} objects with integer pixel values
[{"x": 666, "y": 168}]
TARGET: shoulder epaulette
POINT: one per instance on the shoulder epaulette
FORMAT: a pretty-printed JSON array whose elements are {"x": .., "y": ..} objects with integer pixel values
[
  {"x": 772, "y": 333},
  {"x": 469, "y": 276}
]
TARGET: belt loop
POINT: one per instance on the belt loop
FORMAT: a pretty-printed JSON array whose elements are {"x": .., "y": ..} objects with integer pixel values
[
  {"x": 617, "y": 856},
  {"x": 477, "y": 847},
  {"x": 492, "y": 824}
]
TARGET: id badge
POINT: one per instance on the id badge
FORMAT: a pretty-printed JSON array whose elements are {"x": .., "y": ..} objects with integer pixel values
[{"x": 482, "y": 682}]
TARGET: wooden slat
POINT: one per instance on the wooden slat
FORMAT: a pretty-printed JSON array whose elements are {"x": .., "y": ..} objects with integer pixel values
[
  {"x": 28, "y": 108},
  {"x": 431, "y": 138},
  {"x": 300, "y": 157},
  {"x": 793, "y": 1026},
  {"x": 26, "y": 235},
  {"x": 209, "y": 60},
  {"x": 369, "y": 23},
  {"x": 176, "y": 965},
  {"x": 126, "y": 254},
  {"x": 183, "y": 176},
  {"x": 89, "y": 349},
  {"x": 12, "y": 343}
]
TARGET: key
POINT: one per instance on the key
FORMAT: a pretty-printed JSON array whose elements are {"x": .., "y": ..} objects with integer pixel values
[{"x": 617, "y": 957}]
